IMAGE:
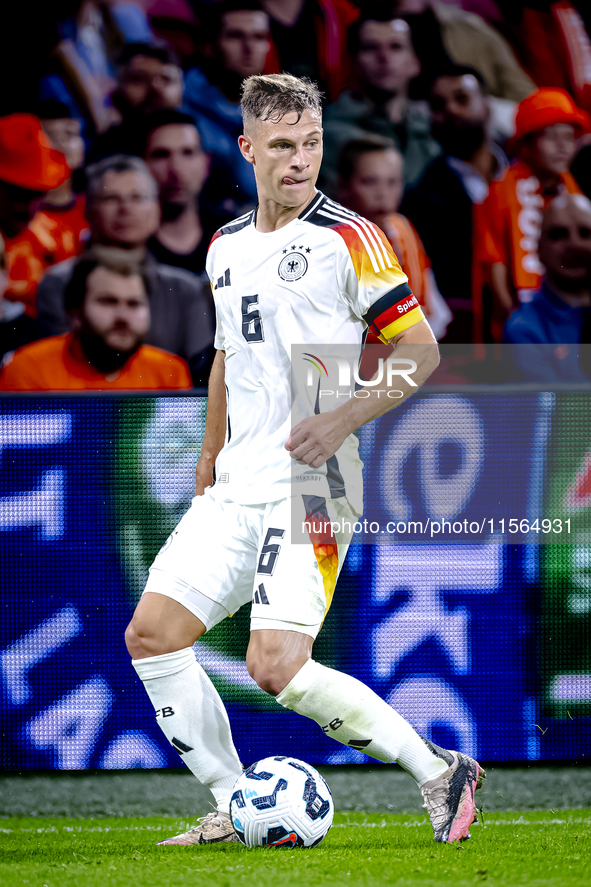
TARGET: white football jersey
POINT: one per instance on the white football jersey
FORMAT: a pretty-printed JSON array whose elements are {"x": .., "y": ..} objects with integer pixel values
[{"x": 294, "y": 294}]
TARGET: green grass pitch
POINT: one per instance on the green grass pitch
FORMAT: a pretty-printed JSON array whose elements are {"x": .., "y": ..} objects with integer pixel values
[{"x": 101, "y": 830}]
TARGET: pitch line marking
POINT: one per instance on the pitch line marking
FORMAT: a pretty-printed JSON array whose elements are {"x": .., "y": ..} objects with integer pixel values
[{"x": 578, "y": 820}]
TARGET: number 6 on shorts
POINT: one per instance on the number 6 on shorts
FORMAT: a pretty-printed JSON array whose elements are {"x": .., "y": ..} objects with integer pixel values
[{"x": 269, "y": 553}]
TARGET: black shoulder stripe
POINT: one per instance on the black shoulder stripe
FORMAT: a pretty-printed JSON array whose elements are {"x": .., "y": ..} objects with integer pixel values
[
  {"x": 310, "y": 214},
  {"x": 391, "y": 298},
  {"x": 239, "y": 224}
]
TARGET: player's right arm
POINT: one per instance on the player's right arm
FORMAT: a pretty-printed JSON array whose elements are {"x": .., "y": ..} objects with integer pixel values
[{"x": 215, "y": 425}]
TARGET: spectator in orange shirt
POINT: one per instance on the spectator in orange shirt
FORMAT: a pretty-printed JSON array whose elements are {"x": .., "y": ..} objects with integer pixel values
[
  {"x": 111, "y": 316},
  {"x": 59, "y": 229},
  {"x": 371, "y": 176},
  {"x": 507, "y": 224},
  {"x": 29, "y": 168}
]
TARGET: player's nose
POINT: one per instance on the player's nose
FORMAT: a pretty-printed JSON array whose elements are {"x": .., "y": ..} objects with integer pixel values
[{"x": 299, "y": 160}]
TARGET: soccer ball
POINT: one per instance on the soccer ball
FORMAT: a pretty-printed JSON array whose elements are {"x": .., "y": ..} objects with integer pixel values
[{"x": 281, "y": 802}]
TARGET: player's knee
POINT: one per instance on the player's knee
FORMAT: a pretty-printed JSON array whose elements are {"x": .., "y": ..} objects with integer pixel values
[
  {"x": 132, "y": 642},
  {"x": 141, "y": 642},
  {"x": 268, "y": 680},
  {"x": 270, "y": 675}
]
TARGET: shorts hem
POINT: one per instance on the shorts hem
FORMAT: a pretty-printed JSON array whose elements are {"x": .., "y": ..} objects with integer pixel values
[
  {"x": 258, "y": 623},
  {"x": 208, "y": 611}
]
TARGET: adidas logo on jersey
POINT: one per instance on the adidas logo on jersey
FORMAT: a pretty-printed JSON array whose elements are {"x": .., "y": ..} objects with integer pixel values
[
  {"x": 260, "y": 595},
  {"x": 224, "y": 280}
]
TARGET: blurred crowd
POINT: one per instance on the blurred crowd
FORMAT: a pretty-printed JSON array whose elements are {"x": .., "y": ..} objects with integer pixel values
[{"x": 461, "y": 128}]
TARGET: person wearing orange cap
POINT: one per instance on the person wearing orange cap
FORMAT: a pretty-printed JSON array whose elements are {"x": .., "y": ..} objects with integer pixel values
[
  {"x": 59, "y": 229},
  {"x": 29, "y": 168},
  {"x": 507, "y": 224}
]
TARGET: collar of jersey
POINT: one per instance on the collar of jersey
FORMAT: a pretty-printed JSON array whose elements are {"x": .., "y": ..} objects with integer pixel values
[{"x": 305, "y": 214}]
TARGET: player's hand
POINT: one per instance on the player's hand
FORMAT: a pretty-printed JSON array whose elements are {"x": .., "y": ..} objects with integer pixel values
[
  {"x": 316, "y": 439},
  {"x": 203, "y": 479}
]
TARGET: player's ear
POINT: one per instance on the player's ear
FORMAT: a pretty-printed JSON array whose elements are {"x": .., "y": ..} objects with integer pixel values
[{"x": 246, "y": 149}]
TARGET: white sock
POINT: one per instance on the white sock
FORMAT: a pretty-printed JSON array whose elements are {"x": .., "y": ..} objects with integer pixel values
[
  {"x": 193, "y": 719},
  {"x": 353, "y": 714}
]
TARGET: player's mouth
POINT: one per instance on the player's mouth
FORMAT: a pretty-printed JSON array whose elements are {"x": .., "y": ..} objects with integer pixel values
[{"x": 293, "y": 183}]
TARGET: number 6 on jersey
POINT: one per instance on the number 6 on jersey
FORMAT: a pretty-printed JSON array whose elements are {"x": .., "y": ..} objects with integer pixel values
[{"x": 252, "y": 322}]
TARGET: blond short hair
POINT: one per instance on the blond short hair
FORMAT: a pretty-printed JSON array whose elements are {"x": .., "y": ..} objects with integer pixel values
[{"x": 272, "y": 96}]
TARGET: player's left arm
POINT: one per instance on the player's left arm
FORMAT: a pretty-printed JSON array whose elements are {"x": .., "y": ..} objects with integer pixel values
[
  {"x": 215, "y": 425},
  {"x": 317, "y": 438}
]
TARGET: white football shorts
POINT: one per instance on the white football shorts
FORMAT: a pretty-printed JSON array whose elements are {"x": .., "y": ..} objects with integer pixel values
[{"x": 223, "y": 555}]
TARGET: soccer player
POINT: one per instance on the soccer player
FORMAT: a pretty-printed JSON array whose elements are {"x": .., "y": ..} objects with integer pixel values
[{"x": 299, "y": 269}]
